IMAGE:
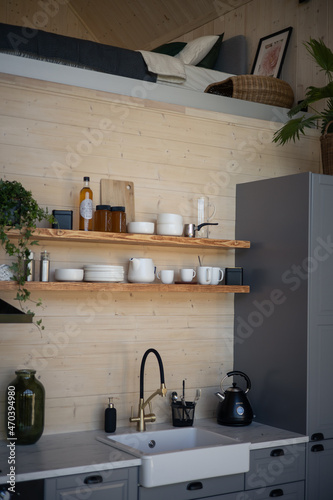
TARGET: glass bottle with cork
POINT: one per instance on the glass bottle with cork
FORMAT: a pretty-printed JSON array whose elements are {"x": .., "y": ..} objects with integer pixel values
[{"x": 86, "y": 206}]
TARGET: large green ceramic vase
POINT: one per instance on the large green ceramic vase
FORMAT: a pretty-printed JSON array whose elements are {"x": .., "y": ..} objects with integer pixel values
[{"x": 29, "y": 407}]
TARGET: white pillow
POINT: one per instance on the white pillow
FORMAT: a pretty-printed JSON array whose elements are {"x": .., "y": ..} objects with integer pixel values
[{"x": 197, "y": 49}]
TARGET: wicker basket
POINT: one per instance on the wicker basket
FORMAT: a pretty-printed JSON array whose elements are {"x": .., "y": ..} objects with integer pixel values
[
  {"x": 262, "y": 89},
  {"x": 326, "y": 142}
]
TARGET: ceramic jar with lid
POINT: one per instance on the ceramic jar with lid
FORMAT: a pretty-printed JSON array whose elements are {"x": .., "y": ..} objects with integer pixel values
[
  {"x": 118, "y": 220},
  {"x": 103, "y": 218}
]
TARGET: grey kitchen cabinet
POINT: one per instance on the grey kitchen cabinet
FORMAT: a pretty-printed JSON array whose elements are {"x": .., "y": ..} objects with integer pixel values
[
  {"x": 320, "y": 476},
  {"x": 287, "y": 491},
  {"x": 113, "y": 484},
  {"x": 276, "y": 472},
  {"x": 283, "y": 331},
  {"x": 225, "y": 487}
]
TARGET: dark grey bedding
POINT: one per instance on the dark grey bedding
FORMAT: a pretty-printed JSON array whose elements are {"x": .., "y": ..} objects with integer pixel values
[{"x": 73, "y": 51}]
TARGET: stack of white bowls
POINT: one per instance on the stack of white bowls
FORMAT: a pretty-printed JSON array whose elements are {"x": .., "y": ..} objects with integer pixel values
[
  {"x": 169, "y": 224},
  {"x": 106, "y": 273}
]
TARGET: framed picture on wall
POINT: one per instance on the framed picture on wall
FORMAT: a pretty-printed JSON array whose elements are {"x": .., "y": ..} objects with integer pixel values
[{"x": 270, "y": 53}]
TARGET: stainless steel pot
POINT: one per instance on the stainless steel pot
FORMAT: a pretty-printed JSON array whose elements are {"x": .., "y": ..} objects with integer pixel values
[{"x": 190, "y": 229}]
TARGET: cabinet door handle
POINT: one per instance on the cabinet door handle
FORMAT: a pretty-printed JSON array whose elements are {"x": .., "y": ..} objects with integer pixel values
[
  {"x": 278, "y": 452},
  {"x": 317, "y": 447},
  {"x": 93, "y": 480},
  {"x": 197, "y": 485},
  {"x": 318, "y": 436},
  {"x": 276, "y": 493}
]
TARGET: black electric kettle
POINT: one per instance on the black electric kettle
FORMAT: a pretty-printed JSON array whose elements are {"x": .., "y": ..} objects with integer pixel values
[{"x": 234, "y": 407}]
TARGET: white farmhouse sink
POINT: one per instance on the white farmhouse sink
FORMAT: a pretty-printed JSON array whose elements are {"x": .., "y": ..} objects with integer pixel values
[{"x": 182, "y": 454}]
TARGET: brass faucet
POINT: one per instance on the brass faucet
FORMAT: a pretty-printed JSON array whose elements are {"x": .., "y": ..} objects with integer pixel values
[{"x": 142, "y": 418}]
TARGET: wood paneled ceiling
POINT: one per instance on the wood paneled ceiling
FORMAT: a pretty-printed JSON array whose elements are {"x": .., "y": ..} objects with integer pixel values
[{"x": 145, "y": 24}]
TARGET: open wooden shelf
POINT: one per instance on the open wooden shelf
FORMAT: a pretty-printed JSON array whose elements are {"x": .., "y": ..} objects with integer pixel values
[
  {"x": 67, "y": 235},
  {"x": 123, "y": 287}
]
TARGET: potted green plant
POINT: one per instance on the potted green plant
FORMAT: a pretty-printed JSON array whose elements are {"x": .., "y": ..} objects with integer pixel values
[
  {"x": 291, "y": 130},
  {"x": 20, "y": 211}
]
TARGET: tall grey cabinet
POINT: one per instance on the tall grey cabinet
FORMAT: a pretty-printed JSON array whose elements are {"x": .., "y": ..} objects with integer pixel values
[{"x": 284, "y": 327}]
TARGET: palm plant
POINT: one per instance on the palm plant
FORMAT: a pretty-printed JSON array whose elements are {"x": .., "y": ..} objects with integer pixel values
[{"x": 323, "y": 56}]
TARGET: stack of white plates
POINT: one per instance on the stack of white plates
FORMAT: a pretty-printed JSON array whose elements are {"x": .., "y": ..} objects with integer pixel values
[{"x": 113, "y": 274}]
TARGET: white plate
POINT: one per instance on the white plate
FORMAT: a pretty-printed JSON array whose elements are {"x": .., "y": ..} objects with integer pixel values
[{"x": 104, "y": 280}]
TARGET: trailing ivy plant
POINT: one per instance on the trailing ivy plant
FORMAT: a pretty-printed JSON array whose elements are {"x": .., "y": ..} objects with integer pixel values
[{"x": 20, "y": 211}]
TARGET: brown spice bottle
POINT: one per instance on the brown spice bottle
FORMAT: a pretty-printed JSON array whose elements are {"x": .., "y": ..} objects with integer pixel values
[
  {"x": 103, "y": 218},
  {"x": 118, "y": 220}
]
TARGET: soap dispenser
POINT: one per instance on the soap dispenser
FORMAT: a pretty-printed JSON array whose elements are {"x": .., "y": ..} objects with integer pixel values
[{"x": 110, "y": 422}]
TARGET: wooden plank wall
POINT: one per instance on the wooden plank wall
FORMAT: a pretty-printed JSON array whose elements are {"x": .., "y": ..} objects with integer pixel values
[{"x": 52, "y": 135}]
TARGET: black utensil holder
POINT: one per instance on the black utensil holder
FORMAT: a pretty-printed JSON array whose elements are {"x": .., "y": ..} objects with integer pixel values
[{"x": 182, "y": 415}]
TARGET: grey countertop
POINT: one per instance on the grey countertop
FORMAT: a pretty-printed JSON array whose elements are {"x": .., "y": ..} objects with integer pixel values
[{"x": 81, "y": 452}]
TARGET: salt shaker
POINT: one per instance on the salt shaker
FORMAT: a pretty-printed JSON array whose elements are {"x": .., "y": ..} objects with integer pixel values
[
  {"x": 29, "y": 268},
  {"x": 44, "y": 266}
]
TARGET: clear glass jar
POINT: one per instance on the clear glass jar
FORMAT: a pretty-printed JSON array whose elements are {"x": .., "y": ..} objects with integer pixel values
[
  {"x": 103, "y": 218},
  {"x": 28, "y": 396},
  {"x": 118, "y": 220}
]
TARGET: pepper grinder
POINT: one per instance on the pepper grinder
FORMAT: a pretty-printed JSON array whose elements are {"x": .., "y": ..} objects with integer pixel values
[{"x": 110, "y": 422}]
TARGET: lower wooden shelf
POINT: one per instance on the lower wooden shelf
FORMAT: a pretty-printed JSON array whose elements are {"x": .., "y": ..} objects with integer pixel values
[{"x": 123, "y": 287}]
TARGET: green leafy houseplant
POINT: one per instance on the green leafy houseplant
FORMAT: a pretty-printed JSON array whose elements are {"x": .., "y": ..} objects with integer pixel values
[
  {"x": 323, "y": 56},
  {"x": 20, "y": 211}
]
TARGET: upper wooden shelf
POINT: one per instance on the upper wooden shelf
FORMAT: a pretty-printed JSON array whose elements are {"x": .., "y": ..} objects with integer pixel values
[{"x": 131, "y": 239}]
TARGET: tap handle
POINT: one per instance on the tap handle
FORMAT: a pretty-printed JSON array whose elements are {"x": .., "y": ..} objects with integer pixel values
[
  {"x": 132, "y": 413},
  {"x": 150, "y": 407}
]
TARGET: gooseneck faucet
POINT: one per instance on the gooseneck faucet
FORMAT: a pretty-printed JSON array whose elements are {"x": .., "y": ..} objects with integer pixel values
[{"x": 142, "y": 418}]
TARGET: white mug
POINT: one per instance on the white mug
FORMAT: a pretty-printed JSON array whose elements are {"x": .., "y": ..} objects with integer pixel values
[
  {"x": 166, "y": 276},
  {"x": 187, "y": 275},
  {"x": 204, "y": 275},
  {"x": 217, "y": 275}
]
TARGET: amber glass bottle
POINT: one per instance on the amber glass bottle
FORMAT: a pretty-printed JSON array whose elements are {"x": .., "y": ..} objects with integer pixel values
[{"x": 86, "y": 206}]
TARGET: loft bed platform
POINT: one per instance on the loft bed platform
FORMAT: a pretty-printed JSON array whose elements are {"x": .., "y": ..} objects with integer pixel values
[{"x": 81, "y": 63}]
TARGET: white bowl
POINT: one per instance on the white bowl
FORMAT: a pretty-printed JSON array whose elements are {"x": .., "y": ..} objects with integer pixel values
[
  {"x": 141, "y": 227},
  {"x": 169, "y": 219},
  {"x": 169, "y": 229},
  {"x": 68, "y": 274}
]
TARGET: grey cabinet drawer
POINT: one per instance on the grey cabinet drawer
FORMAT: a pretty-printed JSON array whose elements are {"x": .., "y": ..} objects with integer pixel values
[
  {"x": 118, "y": 484},
  {"x": 276, "y": 465},
  {"x": 194, "y": 489},
  {"x": 289, "y": 491}
]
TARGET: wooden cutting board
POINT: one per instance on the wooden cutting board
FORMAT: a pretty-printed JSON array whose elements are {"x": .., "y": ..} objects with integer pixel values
[{"x": 119, "y": 193}]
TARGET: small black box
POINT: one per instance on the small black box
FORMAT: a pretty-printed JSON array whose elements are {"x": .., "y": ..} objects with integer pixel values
[
  {"x": 234, "y": 276},
  {"x": 64, "y": 219}
]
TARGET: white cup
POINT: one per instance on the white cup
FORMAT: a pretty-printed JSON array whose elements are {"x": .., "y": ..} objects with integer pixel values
[
  {"x": 187, "y": 275},
  {"x": 204, "y": 275},
  {"x": 217, "y": 275},
  {"x": 166, "y": 276}
]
